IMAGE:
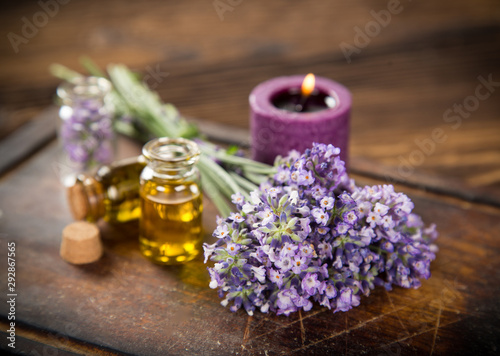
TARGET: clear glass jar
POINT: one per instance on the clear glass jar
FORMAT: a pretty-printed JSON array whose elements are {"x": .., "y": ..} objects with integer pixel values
[
  {"x": 111, "y": 194},
  {"x": 170, "y": 226},
  {"x": 86, "y": 129}
]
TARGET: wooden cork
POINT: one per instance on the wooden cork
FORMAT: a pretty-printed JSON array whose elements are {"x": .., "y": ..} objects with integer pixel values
[
  {"x": 78, "y": 201},
  {"x": 81, "y": 243}
]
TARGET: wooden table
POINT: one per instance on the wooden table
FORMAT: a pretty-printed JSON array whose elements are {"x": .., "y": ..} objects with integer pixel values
[{"x": 429, "y": 59}]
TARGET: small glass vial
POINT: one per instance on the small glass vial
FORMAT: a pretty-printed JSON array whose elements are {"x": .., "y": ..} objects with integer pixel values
[
  {"x": 111, "y": 194},
  {"x": 170, "y": 226},
  {"x": 86, "y": 129}
]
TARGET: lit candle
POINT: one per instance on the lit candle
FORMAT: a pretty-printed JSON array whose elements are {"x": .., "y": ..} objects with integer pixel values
[{"x": 293, "y": 112}]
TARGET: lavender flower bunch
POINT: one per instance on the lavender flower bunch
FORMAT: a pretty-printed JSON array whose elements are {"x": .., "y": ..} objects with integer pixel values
[{"x": 310, "y": 235}]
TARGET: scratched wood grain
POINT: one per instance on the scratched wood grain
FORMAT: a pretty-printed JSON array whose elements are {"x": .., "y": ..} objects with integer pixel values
[{"x": 124, "y": 304}]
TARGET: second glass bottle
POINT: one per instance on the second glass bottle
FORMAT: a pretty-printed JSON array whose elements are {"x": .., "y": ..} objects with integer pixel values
[{"x": 170, "y": 226}]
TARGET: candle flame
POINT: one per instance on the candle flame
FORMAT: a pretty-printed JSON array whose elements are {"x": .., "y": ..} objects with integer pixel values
[{"x": 308, "y": 84}]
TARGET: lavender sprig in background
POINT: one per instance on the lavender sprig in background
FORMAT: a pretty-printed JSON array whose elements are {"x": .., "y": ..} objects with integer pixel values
[{"x": 86, "y": 133}]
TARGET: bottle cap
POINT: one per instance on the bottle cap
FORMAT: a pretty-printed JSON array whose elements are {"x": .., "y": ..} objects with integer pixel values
[{"x": 81, "y": 243}]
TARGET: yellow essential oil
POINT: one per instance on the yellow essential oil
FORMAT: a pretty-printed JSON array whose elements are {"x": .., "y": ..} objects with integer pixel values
[
  {"x": 111, "y": 194},
  {"x": 122, "y": 201},
  {"x": 170, "y": 231},
  {"x": 170, "y": 227}
]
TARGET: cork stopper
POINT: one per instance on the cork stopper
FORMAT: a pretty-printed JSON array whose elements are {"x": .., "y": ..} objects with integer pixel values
[
  {"x": 81, "y": 243},
  {"x": 78, "y": 202},
  {"x": 85, "y": 199}
]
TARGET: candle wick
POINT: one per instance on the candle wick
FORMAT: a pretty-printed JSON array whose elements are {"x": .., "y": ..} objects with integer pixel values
[{"x": 302, "y": 104}]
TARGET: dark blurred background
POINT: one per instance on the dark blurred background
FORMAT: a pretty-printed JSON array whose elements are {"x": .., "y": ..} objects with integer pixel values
[{"x": 406, "y": 62}]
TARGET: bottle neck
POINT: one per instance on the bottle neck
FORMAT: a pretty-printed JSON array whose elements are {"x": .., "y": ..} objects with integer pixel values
[
  {"x": 84, "y": 91},
  {"x": 172, "y": 159},
  {"x": 86, "y": 199},
  {"x": 168, "y": 173}
]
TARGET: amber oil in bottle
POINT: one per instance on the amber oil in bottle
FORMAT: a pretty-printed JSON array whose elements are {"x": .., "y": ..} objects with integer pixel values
[
  {"x": 111, "y": 194},
  {"x": 170, "y": 226}
]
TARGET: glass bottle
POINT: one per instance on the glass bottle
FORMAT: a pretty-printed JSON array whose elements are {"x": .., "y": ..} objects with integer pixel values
[
  {"x": 86, "y": 128},
  {"x": 170, "y": 226},
  {"x": 112, "y": 193}
]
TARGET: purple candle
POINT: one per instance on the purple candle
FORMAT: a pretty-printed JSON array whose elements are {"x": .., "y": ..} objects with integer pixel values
[{"x": 286, "y": 115}]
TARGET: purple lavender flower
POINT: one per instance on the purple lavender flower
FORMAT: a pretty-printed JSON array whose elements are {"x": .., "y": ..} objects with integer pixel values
[
  {"x": 283, "y": 175},
  {"x": 327, "y": 202},
  {"x": 103, "y": 153},
  {"x": 320, "y": 216},
  {"x": 238, "y": 200},
  {"x": 267, "y": 216},
  {"x": 276, "y": 277},
  {"x": 309, "y": 234},
  {"x": 350, "y": 217},
  {"x": 346, "y": 300},
  {"x": 299, "y": 264},
  {"x": 236, "y": 217},
  {"x": 284, "y": 303},
  {"x": 284, "y": 264},
  {"x": 330, "y": 291},
  {"x": 318, "y": 192},
  {"x": 86, "y": 133},
  {"x": 222, "y": 231},
  {"x": 310, "y": 283},
  {"x": 233, "y": 248},
  {"x": 305, "y": 178}
]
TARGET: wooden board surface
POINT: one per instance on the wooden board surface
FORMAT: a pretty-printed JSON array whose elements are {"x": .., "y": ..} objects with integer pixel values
[
  {"x": 430, "y": 58},
  {"x": 123, "y": 303}
]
